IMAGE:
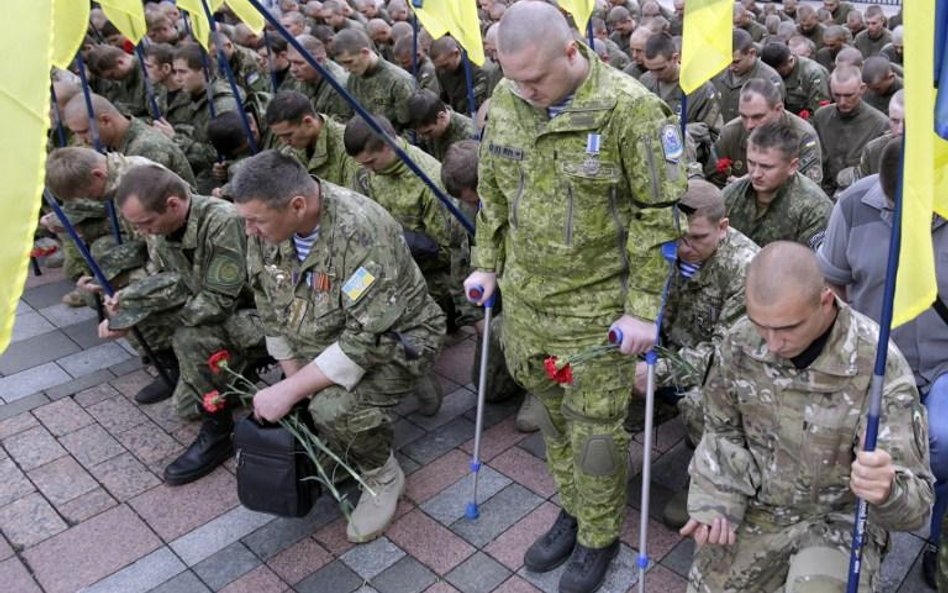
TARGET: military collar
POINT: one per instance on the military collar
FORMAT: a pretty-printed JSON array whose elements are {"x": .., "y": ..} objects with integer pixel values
[
  {"x": 321, "y": 147},
  {"x": 589, "y": 105},
  {"x": 135, "y": 128},
  {"x": 189, "y": 240},
  {"x": 326, "y": 224},
  {"x": 751, "y": 193}
]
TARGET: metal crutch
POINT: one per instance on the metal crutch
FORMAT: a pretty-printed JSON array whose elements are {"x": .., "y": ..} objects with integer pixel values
[{"x": 474, "y": 294}]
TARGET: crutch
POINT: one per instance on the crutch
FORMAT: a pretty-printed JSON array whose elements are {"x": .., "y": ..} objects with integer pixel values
[{"x": 474, "y": 294}]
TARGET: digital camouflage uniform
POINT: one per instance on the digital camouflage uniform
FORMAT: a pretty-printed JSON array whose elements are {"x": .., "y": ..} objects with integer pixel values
[
  {"x": 190, "y": 133},
  {"x": 574, "y": 211},
  {"x": 776, "y": 456},
  {"x": 698, "y": 313},
  {"x": 248, "y": 73},
  {"x": 385, "y": 91},
  {"x": 357, "y": 306},
  {"x": 460, "y": 128},
  {"x": 324, "y": 98},
  {"x": 798, "y": 212},
  {"x": 807, "y": 86},
  {"x": 142, "y": 140},
  {"x": 327, "y": 159},
  {"x": 732, "y": 144},
  {"x": 729, "y": 86},
  {"x": 843, "y": 139},
  {"x": 454, "y": 87}
]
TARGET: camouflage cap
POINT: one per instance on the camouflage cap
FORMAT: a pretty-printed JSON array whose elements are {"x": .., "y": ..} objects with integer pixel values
[
  {"x": 121, "y": 258},
  {"x": 81, "y": 210},
  {"x": 151, "y": 294}
]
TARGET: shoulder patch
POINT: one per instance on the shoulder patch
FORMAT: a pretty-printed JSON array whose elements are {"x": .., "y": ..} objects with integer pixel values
[
  {"x": 224, "y": 271},
  {"x": 672, "y": 145},
  {"x": 358, "y": 284}
]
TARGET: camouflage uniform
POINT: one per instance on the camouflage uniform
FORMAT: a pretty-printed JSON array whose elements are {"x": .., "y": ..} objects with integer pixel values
[
  {"x": 703, "y": 104},
  {"x": 881, "y": 102},
  {"x": 142, "y": 140},
  {"x": 868, "y": 46},
  {"x": 732, "y": 144},
  {"x": 807, "y": 86},
  {"x": 871, "y": 157},
  {"x": 385, "y": 91},
  {"x": 427, "y": 76},
  {"x": 799, "y": 212},
  {"x": 248, "y": 73},
  {"x": 843, "y": 138},
  {"x": 776, "y": 454},
  {"x": 729, "y": 86},
  {"x": 460, "y": 128},
  {"x": 191, "y": 133},
  {"x": 327, "y": 157},
  {"x": 129, "y": 95},
  {"x": 325, "y": 99},
  {"x": 574, "y": 234},
  {"x": 494, "y": 73},
  {"x": 454, "y": 87},
  {"x": 359, "y": 308}
]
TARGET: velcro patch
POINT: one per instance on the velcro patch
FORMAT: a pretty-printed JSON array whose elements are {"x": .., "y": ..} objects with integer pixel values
[
  {"x": 672, "y": 145},
  {"x": 358, "y": 284},
  {"x": 225, "y": 271},
  {"x": 507, "y": 152}
]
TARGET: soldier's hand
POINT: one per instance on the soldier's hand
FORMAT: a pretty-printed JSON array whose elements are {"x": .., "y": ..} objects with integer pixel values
[
  {"x": 219, "y": 171},
  {"x": 487, "y": 281},
  {"x": 88, "y": 284},
  {"x": 164, "y": 127},
  {"x": 641, "y": 377},
  {"x": 105, "y": 333},
  {"x": 111, "y": 304},
  {"x": 51, "y": 222},
  {"x": 719, "y": 533},
  {"x": 271, "y": 403},
  {"x": 872, "y": 475},
  {"x": 637, "y": 335}
]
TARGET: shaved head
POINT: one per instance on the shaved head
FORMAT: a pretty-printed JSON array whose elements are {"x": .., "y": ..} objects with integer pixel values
[
  {"x": 76, "y": 107},
  {"x": 536, "y": 25},
  {"x": 784, "y": 270}
]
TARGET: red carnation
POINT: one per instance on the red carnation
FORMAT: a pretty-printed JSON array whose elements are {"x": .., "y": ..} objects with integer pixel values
[
  {"x": 218, "y": 360},
  {"x": 824, "y": 102},
  {"x": 562, "y": 375},
  {"x": 214, "y": 401},
  {"x": 724, "y": 165},
  {"x": 804, "y": 114}
]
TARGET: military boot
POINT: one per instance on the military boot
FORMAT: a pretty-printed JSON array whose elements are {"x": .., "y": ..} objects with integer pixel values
[
  {"x": 587, "y": 568},
  {"x": 213, "y": 445},
  {"x": 527, "y": 414},
  {"x": 429, "y": 394},
  {"x": 554, "y": 546},
  {"x": 675, "y": 513},
  {"x": 73, "y": 299},
  {"x": 930, "y": 565},
  {"x": 159, "y": 390},
  {"x": 376, "y": 509}
]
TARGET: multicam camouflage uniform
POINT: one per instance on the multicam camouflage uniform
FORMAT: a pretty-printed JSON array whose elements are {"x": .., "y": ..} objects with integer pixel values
[
  {"x": 385, "y": 91},
  {"x": 190, "y": 131},
  {"x": 775, "y": 461},
  {"x": 574, "y": 211},
  {"x": 359, "y": 307},
  {"x": 142, "y": 140}
]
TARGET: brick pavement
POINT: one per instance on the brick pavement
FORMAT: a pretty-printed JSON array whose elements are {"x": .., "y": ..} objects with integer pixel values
[{"x": 82, "y": 505}]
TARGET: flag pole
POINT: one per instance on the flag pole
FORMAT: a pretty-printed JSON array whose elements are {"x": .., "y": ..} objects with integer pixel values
[
  {"x": 149, "y": 89},
  {"x": 469, "y": 80}
]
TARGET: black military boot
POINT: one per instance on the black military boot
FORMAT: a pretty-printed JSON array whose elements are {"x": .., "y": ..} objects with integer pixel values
[
  {"x": 587, "y": 568},
  {"x": 213, "y": 445},
  {"x": 159, "y": 390},
  {"x": 930, "y": 565},
  {"x": 554, "y": 546}
]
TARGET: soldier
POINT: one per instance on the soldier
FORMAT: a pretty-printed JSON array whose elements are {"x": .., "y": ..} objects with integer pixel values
[
  {"x": 839, "y": 10},
  {"x": 160, "y": 28},
  {"x": 379, "y": 86},
  {"x": 807, "y": 82},
  {"x": 380, "y": 33},
  {"x": 295, "y": 23},
  {"x": 881, "y": 82},
  {"x": 621, "y": 24},
  {"x": 616, "y": 57},
  {"x": 849, "y": 56},
  {"x": 129, "y": 136},
  {"x": 159, "y": 64},
  {"x": 425, "y": 76},
  {"x": 893, "y": 50},
  {"x": 334, "y": 14},
  {"x": 761, "y": 104},
  {"x": 227, "y": 135},
  {"x": 637, "y": 42},
  {"x": 809, "y": 26},
  {"x": 278, "y": 50},
  {"x": 552, "y": 203},
  {"x": 855, "y": 23},
  {"x": 746, "y": 66},
  {"x": 347, "y": 314},
  {"x": 745, "y": 21},
  {"x": 835, "y": 39},
  {"x": 871, "y": 41},
  {"x": 128, "y": 89},
  {"x": 311, "y": 83},
  {"x": 776, "y": 474},
  {"x": 249, "y": 74},
  {"x": 852, "y": 259},
  {"x": 775, "y": 202},
  {"x": 801, "y": 46},
  {"x": 198, "y": 240},
  {"x": 449, "y": 65},
  {"x": 872, "y": 153},
  {"x": 437, "y": 125},
  {"x": 315, "y": 140},
  {"x": 845, "y": 127}
]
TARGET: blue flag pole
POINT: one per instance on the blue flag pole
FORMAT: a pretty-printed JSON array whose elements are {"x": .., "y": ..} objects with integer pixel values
[
  {"x": 414, "y": 46},
  {"x": 878, "y": 377},
  {"x": 60, "y": 132},
  {"x": 97, "y": 141},
  {"x": 590, "y": 36},
  {"x": 149, "y": 89},
  {"x": 469, "y": 79},
  {"x": 274, "y": 85},
  {"x": 205, "y": 63},
  {"x": 941, "y": 68},
  {"x": 683, "y": 118},
  {"x": 392, "y": 143}
]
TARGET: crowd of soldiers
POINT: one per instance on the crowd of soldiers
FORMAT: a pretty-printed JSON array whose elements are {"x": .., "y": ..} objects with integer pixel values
[{"x": 258, "y": 213}]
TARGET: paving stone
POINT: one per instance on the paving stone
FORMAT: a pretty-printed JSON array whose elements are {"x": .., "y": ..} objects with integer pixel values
[
  {"x": 659, "y": 578},
  {"x": 32, "y": 380},
  {"x": 93, "y": 359},
  {"x": 22, "y": 307},
  {"x": 495, "y": 412},
  {"x": 904, "y": 548},
  {"x": 527, "y": 470},
  {"x": 85, "y": 333},
  {"x": 81, "y": 384},
  {"x": 91, "y": 445},
  {"x": 453, "y": 405},
  {"x": 515, "y": 584},
  {"x": 16, "y": 424},
  {"x": 368, "y": 560},
  {"x": 124, "y": 476},
  {"x": 496, "y": 439},
  {"x": 455, "y": 363},
  {"x": 438, "y": 442},
  {"x": 436, "y": 475},
  {"x": 142, "y": 575},
  {"x": 497, "y": 514},
  {"x": 87, "y": 505},
  {"x": 671, "y": 469},
  {"x": 149, "y": 443},
  {"x": 258, "y": 580},
  {"x": 49, "y": 276},
  {"x": 441, "y": 587},
  {"x": 133, "y": 363},
  {"x": 186, "y": 582},
  {"x": 31, "y": 352},
  {"x": 299, "y": 560},
  {"x": 217, "y": 534},
  {"x": 661, "y": 539},
  {"x": 174, "y": 511},
  {"x": 622, "y": 574},
  {"x": 478, "y": 574},
  {"x": 13, "y": 484},
  {"x": 409, "y": 466},
  {"x": 130, "y": 383},
  {"x": 164, "y": 415},
  {"x": 405, "y": 432},
  {"x": 534, "y": 445},
  {"x": 62, "y": 315},
  {"x": 30, "y": 325},
  {"x": 679, "y": 559},
  {"x": 283, "y": 532},
  {"x": 510, "y": 546},
  {"x": 50, "y": 294},
  {"x": 658, "y": 495},
  {"x": 62, "y": 480},
  {"x": 33, "y": 448},
  {"x": 6, "y": 550},
  {"x": 62, "y": 417},
  {"x": 226, "y": 566},
  {"x": 450, "y": 504},
  {"x": 95, "y": 394},
  {"x": 405, "y": 576},
  {"x": 25, "y": 404},
  {"x": 29, "y": 520},
  {"x": 333, "y": 537},
  {"x": 16, "y": 578},
  {"x": 335, "y": 577},
  {"x": 429, "y": 542},
  {"x": 117, "y": 415}
]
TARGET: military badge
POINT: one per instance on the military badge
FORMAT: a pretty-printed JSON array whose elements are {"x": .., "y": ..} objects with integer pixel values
[
  {"x": 591, "y": 164},
  {"x": 672, "y": 145},
  {"x": 357, "y": 284}
]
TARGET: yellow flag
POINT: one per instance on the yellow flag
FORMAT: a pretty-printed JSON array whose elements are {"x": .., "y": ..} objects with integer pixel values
[
  {"x": 457, "y": 17},
  {"x": 200, "y": 27},
  {"x": 706, "y": 45},
  {"x": 581, "y": 10},
  {"x": 249, "y": 15},
  {"x": 70, "y": 22},
  {"x": 127, "y": 16},
  {"x": 24, "y": 111},
  {"x": 925, "y": 177}
]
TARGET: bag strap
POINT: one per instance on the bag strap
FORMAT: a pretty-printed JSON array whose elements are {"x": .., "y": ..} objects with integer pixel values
[{"x": 940, "y": 308}]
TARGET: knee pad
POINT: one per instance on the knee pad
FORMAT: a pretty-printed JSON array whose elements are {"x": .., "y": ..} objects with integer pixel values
[
  {"x": 599, "y": 456},
  {"x": 818, "y": 569}
]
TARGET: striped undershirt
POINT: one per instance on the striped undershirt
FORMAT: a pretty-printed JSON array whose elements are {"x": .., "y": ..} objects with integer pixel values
[{"x": 305, "y": 244}]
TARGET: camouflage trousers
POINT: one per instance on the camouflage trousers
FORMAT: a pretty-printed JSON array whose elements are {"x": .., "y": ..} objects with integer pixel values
[
  {"x": 811, "y": 556},
  {"x": 586, "y": 442}
]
